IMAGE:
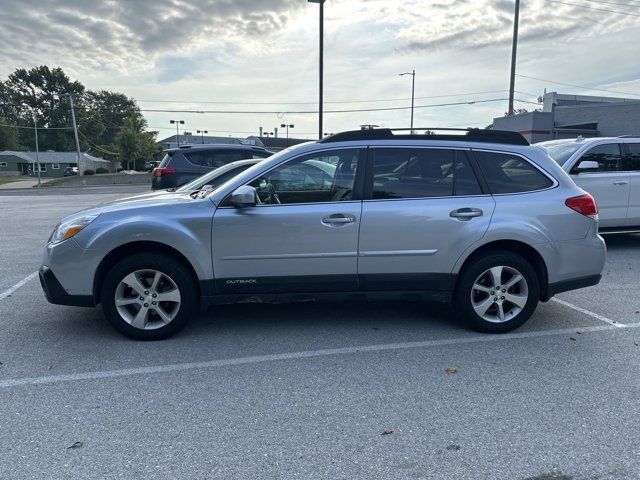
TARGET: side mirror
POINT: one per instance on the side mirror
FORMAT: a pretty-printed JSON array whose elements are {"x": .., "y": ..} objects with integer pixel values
[
  {"x": 244, "y": 196},
  {"x": 587, "y": 166}
]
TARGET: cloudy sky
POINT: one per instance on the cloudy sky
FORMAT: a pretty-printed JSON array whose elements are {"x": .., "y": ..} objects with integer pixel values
[{"x": 261, "y": 55}]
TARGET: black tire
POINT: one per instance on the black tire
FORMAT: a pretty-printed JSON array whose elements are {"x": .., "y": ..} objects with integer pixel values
[
  {"x": 179, "y": 274},
  {"x": 462, "y": 301}
]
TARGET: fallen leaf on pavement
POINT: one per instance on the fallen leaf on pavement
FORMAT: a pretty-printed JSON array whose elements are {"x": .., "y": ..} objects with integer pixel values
[
  {"x": 453, "y": 446},
  {"x": 451, "y": 370},
  {"x": 75, "y": 445},
  {"x": 386, "y": 431}
]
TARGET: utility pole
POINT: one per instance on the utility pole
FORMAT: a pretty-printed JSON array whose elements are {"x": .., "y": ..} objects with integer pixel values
[
  {"x": 514, "y": 50},
  {"x": 320, "y": 65},
  {"x": 35, "y": 129},
  {"x": 75, "y": 132}
]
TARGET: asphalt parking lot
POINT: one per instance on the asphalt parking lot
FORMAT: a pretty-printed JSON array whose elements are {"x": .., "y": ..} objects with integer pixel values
[{"x": 313, "y": 390}]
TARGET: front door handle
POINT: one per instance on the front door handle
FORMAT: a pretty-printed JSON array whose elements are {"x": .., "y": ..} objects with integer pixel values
[
  {"x": 620, "y": 182},
  {"x": 466, "y": 214},
  {"x": 338, "y": 219}
]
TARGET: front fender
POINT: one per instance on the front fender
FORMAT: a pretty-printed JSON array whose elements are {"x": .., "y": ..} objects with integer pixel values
[{"x": 189, "y": 232}]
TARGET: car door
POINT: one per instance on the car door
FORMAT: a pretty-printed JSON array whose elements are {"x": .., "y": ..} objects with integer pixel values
[
  {"x": 303, "y": 234},
  {"x": 608, "y": 185},
  {"x": 423, "y": 207},
  {"x": 631, "y": 166}
]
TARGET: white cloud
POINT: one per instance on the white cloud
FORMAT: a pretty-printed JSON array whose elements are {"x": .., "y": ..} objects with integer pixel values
[{"x": 252, "y": 50}]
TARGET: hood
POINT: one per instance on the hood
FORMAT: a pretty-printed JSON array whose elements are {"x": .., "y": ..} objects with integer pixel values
[{"x": 138, "y": 202}]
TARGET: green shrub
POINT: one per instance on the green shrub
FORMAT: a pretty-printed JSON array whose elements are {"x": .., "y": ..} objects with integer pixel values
[
  {"x": 89, "y": 172},
  {"x": 101, "y": 170}
]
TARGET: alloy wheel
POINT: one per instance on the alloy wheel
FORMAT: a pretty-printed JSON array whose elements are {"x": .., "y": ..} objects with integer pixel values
[
  {"x": 147, "y": 299},
  {"x": 499, "y": 294}
]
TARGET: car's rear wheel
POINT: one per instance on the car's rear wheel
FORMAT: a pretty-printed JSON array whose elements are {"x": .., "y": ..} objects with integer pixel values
[
  {"x": 149, "y": 296},
  {"x": 497, "y": 292}
]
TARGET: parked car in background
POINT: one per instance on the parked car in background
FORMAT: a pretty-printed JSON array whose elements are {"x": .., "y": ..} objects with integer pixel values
[
  {"x": 149, "y": 166},
  {"x": 208, "y": 181},
  {"x": 70, "y": 171},
  {"x": 481, "y": 220},
  {"x": 184, "y": 164},
  {"x": 609, "y": 169}
]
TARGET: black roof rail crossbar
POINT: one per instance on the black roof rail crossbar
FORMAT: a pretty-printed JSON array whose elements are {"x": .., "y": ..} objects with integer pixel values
[{"x": 472, "y": 135}]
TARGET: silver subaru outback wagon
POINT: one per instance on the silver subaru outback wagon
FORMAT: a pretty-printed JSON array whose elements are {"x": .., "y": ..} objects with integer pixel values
[{"x": 480, "y": 219}]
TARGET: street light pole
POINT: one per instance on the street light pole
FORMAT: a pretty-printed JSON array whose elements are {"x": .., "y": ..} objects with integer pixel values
[
  {"x": 202, "y": 132},
  {"x": 177, "y": 122},
  {"x": 320, "y": 65},
  {"x": 514, "y": 50},
  {"x": 35, "y": 129},
  {"x": 287, "y": 126},
  {"x": 413, "y": 92}
]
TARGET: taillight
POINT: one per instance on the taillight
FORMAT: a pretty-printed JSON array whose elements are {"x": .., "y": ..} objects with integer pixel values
[
  {"x": 584, "y": 205},
  {"x": 160, "y": 171}
]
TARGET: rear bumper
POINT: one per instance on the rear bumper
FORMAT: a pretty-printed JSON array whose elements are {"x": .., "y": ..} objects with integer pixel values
[
  {"x": 56, "y": 294},
  {"x": 573, "y": 284}
]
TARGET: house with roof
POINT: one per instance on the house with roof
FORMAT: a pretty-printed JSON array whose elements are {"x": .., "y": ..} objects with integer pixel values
[{"x": 52, "y": 164}]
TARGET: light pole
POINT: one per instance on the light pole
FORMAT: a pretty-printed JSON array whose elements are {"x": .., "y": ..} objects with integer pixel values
[
  {"x": 514, "y": 50},
  {"x": 177, "y": 122},
  {"x": 202, "y": 132},
  {"x": 413, "y": 92},
  {"x": 321, "y": 64},
  {"x": 287, "y": 126}
]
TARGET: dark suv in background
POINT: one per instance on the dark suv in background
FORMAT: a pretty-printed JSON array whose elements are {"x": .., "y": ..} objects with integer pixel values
[{"x": 184, "y": 164}]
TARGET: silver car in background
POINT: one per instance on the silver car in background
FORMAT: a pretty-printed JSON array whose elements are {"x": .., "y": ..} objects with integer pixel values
[
  {"x": 482, "y": 220},
  {"x": 609, "y": 169}
]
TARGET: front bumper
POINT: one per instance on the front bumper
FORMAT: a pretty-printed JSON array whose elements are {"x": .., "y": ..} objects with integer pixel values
[{"x": 55, "y": 293}]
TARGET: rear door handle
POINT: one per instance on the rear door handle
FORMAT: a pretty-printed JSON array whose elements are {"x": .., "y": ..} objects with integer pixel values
[
  {"x": 465, "y": 214},
  {"x": 620, "y": 182},
  {"x": 338, "y": 219}
]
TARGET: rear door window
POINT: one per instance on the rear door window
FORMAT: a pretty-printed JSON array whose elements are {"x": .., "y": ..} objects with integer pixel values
[
  {"x": 608, "y": 157},
  {"x": 506, "y": 173},
  {"x": 631, "y": 161},
  {"x": 421, "y": 173}
]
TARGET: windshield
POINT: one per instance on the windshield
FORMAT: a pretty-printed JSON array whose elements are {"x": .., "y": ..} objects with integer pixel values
[{"x": 560, "y": 151}]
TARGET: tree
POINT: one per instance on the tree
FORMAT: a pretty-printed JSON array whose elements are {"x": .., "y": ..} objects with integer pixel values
[
  {"x": 134, "y": 145},
  {"x": 41, "y": 90},
  {"x": 9, "y": 139}
]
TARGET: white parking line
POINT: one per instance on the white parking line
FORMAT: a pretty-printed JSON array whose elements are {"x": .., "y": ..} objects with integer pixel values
[
  {"x": 597, "y": 316},
  {"x": 179, "y": 367},
  {"x": 8, "y": 292}
]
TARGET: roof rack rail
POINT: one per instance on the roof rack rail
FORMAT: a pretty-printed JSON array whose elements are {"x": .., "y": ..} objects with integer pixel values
[
  {"x": 472, "y": 135},
  {"x": 628, "y": 136}
]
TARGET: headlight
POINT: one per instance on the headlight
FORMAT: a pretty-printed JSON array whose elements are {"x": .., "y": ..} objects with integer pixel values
[{"x": 70, "y": 227}]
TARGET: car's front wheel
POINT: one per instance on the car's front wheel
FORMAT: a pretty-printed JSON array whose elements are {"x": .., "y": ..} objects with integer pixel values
[
  {"x": 149, "y": 296},
  {"x": 497, "y": 293}
]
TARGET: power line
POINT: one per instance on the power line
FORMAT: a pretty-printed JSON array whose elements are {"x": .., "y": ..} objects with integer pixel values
[
  {"x": 227, "y": 102},
  {"x": 632, "y": 5},
  {"x": 39, "y": 128},
  {"x": 96, "y": 146},
  {"x": 578, "y": 86},
  {"x": 272, "y": 112},
  {"x": 593, "y": 8}
]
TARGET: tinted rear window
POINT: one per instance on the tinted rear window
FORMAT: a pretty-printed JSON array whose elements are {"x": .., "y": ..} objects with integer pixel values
[
  {"x": 607, "y": 155},
  {"x": 631, "y": 161},
  {"x": 421, "y": 173},
  {"x": 216, "y": 158},
  {"x": 165, "y": 160},
  {"x": 507, "y": 173}
]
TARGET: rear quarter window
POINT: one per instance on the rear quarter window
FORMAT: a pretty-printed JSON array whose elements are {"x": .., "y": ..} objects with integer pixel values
[{"x": 506, "y": 173}]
